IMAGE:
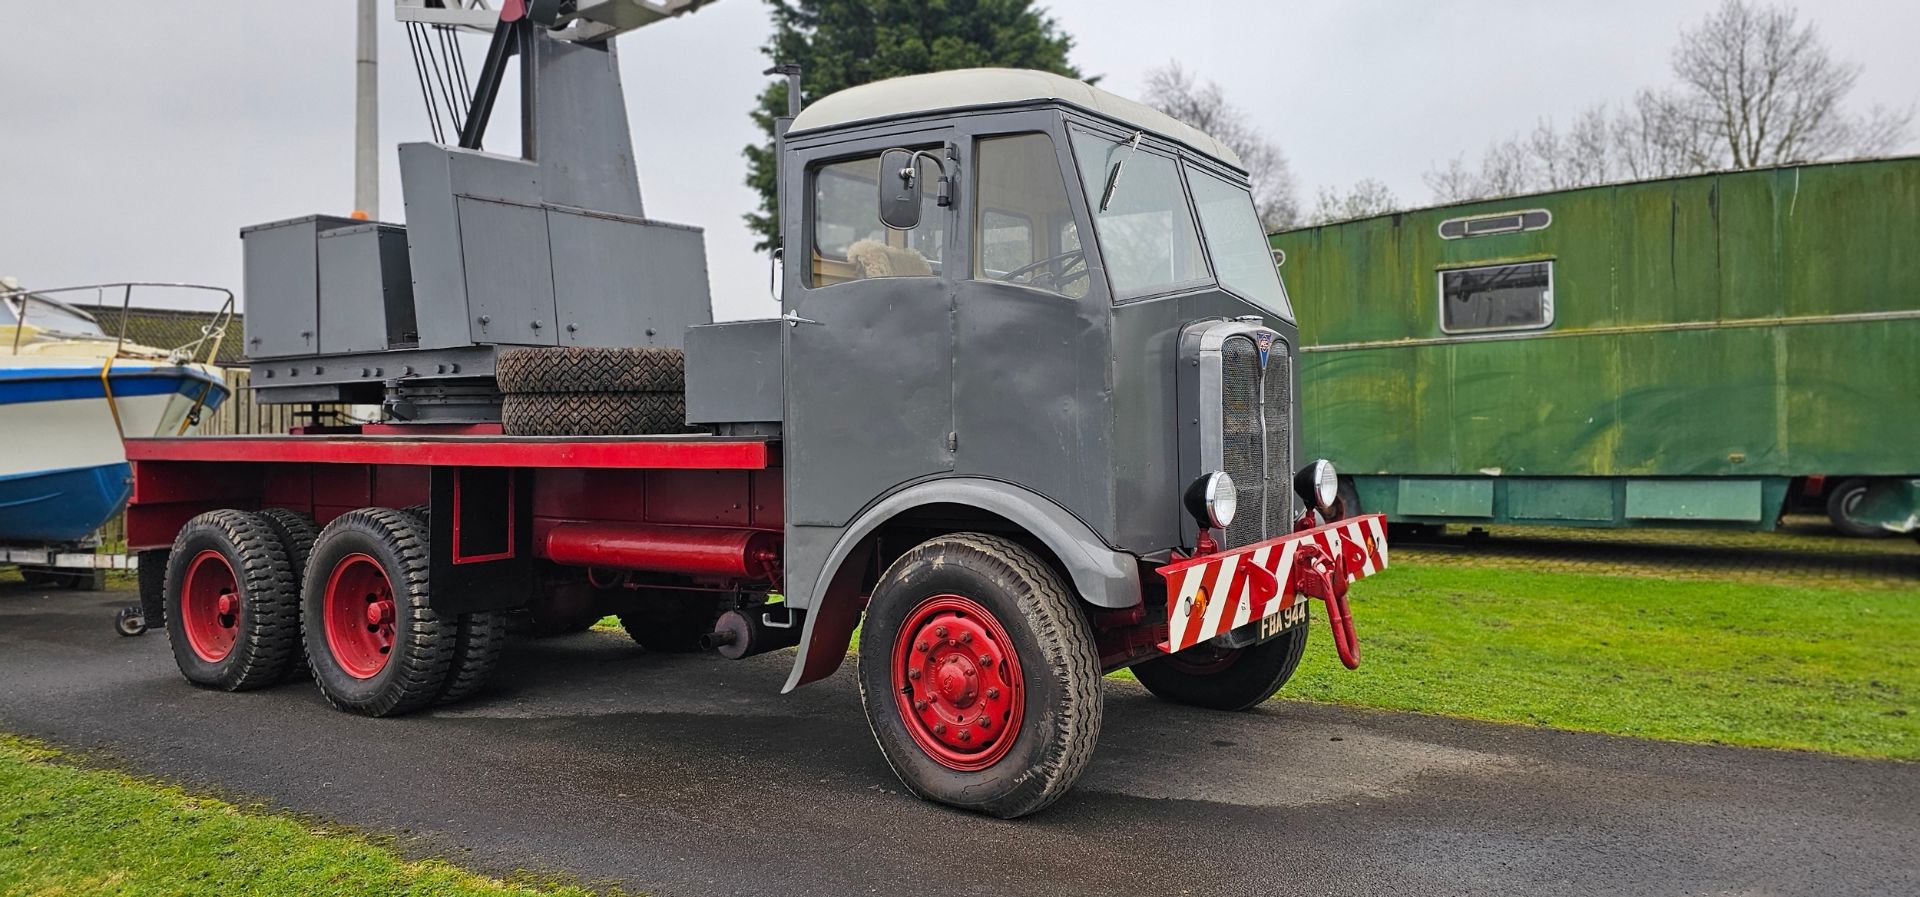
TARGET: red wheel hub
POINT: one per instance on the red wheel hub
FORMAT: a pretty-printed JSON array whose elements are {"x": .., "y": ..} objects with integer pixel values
[
  {"x": 359, "y": 612},
  {"x": 958, "y": 683},
  {"x": 210, "y": 606}
]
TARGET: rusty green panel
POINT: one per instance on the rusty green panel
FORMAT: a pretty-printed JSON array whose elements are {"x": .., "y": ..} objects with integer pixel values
[
  {"x": 1704, "y": 327},
  {"x": 1445, "y": 498},
  {"x": 1588, "y": 500},
  {"x": 1726, "y": 500}
]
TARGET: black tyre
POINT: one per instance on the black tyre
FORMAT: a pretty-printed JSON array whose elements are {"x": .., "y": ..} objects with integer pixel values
[
  {"x": 979, "y": 676},
  {"x": 594, "y": 414},
  {"x": 152, "y": 573},
  {"x": 478, "y": 637},
  {"x": 1841, "y": 500},
  {"x": 296, "y": 532},
  {"x": 373, "y": 644},
  {"x": 580, "y": 369},
  {"x": 56, "y": 578},
  {"x": 229, "y": 620},
  {"x": 1231, "y": 679},
  {"x": 668, "y": 622}
]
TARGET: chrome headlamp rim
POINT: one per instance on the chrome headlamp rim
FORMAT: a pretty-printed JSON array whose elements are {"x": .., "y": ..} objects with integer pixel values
[
  {"x": 1213, "y": 500},
  {"x": 1318, "y": 484}
]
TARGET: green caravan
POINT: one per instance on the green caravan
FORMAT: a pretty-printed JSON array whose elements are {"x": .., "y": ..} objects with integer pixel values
[{"x": 1699, "y": 351}]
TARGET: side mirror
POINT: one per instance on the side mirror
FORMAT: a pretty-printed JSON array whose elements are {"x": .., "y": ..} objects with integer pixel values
[{"x": 900, "y": 189}]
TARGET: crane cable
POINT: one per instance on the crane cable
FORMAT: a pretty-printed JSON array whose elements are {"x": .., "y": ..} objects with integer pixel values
[{"x": 441, "y": 70}]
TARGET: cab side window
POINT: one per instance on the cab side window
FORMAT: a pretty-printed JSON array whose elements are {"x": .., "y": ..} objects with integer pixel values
[
  {"x": 850, "y": 243},
  {"x": 1024, "y": 230}
]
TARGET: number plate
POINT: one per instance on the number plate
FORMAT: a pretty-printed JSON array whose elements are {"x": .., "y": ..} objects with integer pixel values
[{"x": 1284, "y": 620}]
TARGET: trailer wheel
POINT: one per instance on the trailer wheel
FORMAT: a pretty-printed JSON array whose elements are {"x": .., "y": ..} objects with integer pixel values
[
  {"x": 1231, "y": 679},
  {"x": 153, "y": 586},
  {"x": 576, "y": 369},
  {"x": 229, "y": 620},
  {"x": 374, "y": 645},
  {"x": 1842, "y": 499},
  {"x": 979, "y": 676}
]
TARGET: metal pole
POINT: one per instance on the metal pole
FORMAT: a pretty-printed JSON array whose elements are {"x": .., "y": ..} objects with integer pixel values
[{"x": 366, "y": 149}]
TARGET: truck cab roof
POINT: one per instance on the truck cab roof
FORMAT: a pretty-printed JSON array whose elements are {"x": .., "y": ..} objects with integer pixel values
[{"x": 960, "y": 89}]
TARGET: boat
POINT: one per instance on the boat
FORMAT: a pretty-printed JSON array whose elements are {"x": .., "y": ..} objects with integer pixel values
[{"x": 70, "y": 393}]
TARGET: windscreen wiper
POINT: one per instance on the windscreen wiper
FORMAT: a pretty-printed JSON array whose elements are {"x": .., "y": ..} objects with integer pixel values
[{"x": 1113, "y": 177}]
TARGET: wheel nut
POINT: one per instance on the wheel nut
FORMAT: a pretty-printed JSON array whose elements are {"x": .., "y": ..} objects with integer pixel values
[
  {"x": 920, "y": 704},
  {"x": 966, "y": 734},
  {"x": 986, "y": 660},
  {"x": 920, "y": 646},
  {"x": 940, "y": 631},
  {"x": 939, "y": 728},
  {"x": 967, "y": 637},
  {"x": 913, "y": 674},
  {"x": 993, "y": 694},
  {"x": 984, "y": 722}
]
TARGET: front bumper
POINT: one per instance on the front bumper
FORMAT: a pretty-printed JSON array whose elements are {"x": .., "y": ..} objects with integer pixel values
[{"x": 1211, "y": 595}]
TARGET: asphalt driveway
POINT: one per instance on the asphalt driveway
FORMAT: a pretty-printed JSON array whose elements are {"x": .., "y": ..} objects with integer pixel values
[{"x": 692, "y": 775}]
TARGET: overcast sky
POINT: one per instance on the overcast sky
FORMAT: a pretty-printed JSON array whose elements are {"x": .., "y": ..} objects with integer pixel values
[{"x": 137, "y": 138}]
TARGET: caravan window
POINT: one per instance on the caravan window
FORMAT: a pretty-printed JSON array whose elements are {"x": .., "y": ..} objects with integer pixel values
[{"x": 1497, "y": 297}]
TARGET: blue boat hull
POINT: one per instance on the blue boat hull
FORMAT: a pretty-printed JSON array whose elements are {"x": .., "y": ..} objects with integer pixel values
[
  {"x": 61, "y": 505},
  {"x": 63, "y": 468}
]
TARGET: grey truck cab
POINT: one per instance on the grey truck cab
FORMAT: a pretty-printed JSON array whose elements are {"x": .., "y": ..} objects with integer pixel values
[
  {"x": 1050, "y": 332},
  {"x": 1015, "y": 304},
  {"x": 1026, "y": 415}
]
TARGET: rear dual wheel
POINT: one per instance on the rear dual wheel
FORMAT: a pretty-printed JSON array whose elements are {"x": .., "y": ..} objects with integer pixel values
[
  {"x": 231, "y": 614},
  {"x": 374, "y": 645},
  {"x": 979, "y": 676}
]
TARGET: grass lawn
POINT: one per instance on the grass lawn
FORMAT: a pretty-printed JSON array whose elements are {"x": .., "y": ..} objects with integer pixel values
[
  {"x": 1822, "y": 668},
  {"x": 72, "y": 831}
]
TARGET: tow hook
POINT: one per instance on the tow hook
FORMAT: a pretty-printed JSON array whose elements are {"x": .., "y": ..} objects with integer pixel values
[{"x": 1315, "y": 573}]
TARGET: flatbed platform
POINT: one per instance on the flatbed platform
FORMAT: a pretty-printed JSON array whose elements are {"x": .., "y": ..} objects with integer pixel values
[{"x": 625, "y": 452}]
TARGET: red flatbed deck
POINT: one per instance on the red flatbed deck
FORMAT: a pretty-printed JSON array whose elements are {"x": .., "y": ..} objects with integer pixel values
[{"x": 629, "y": 452}]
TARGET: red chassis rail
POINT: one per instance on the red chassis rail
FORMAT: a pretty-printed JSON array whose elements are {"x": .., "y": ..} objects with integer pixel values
[
  {"x": 1213, "y": 594},
  {"x": 673, "y": 452},
  {"x": 712, "y": 484}
]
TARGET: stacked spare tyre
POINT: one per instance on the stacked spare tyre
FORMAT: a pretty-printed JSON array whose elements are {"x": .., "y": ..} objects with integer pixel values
[{"x": 582, "y": 391}]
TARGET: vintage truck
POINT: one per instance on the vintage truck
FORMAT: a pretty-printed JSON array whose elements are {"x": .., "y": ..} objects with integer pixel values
[{"x": 1027, "y": 418}]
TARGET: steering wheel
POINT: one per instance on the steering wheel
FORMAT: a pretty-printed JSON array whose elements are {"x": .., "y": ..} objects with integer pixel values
[{"x": 1057, "y": 270}]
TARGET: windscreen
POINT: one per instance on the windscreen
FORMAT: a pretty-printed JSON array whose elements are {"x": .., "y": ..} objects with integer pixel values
[
  {"x": 1146, "y": 232},
  {"x": 1242, "y": 259}
]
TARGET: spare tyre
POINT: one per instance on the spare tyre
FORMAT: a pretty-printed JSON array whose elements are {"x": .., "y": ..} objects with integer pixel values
[
  {"x": 584, "y": 369},
  {"x": 594, "y": 414}
]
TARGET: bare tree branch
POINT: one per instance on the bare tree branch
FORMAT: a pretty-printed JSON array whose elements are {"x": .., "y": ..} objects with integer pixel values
[
  {"x": 1756, "y": 88},
  {"x": 1366, "y": 198},
  {"x": 1173, "y": 90}
]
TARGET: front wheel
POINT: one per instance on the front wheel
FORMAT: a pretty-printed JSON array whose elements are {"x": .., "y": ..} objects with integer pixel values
[
  {"x": 979, "y": 676},
  {"x": 1230, "y": 679}
]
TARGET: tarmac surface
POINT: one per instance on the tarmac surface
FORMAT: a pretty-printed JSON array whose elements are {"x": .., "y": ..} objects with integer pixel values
[{"x": 598, "y": 762}]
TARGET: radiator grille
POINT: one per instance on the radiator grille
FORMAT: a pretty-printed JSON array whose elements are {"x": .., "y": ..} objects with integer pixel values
[{"x": 1259, "y": 458}]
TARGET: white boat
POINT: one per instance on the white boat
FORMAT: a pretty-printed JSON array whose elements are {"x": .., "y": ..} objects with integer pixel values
[{"x": 69, "y": 394}]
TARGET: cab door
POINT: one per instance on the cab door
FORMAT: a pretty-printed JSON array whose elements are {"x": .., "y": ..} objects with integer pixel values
[
  {"x": 1031, "y": 388},
  {"x": 869, "y": 385}
]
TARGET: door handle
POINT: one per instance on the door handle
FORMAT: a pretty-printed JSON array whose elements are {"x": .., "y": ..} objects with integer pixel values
[{"x": 794, "y": 320}]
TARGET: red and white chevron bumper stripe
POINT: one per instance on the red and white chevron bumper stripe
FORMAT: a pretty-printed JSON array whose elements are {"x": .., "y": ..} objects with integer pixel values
[{"x": 1214, "y": 594}]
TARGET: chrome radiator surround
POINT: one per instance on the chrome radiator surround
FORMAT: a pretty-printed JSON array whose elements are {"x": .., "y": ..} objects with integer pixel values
[{"x": 1237, "y": 416}]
